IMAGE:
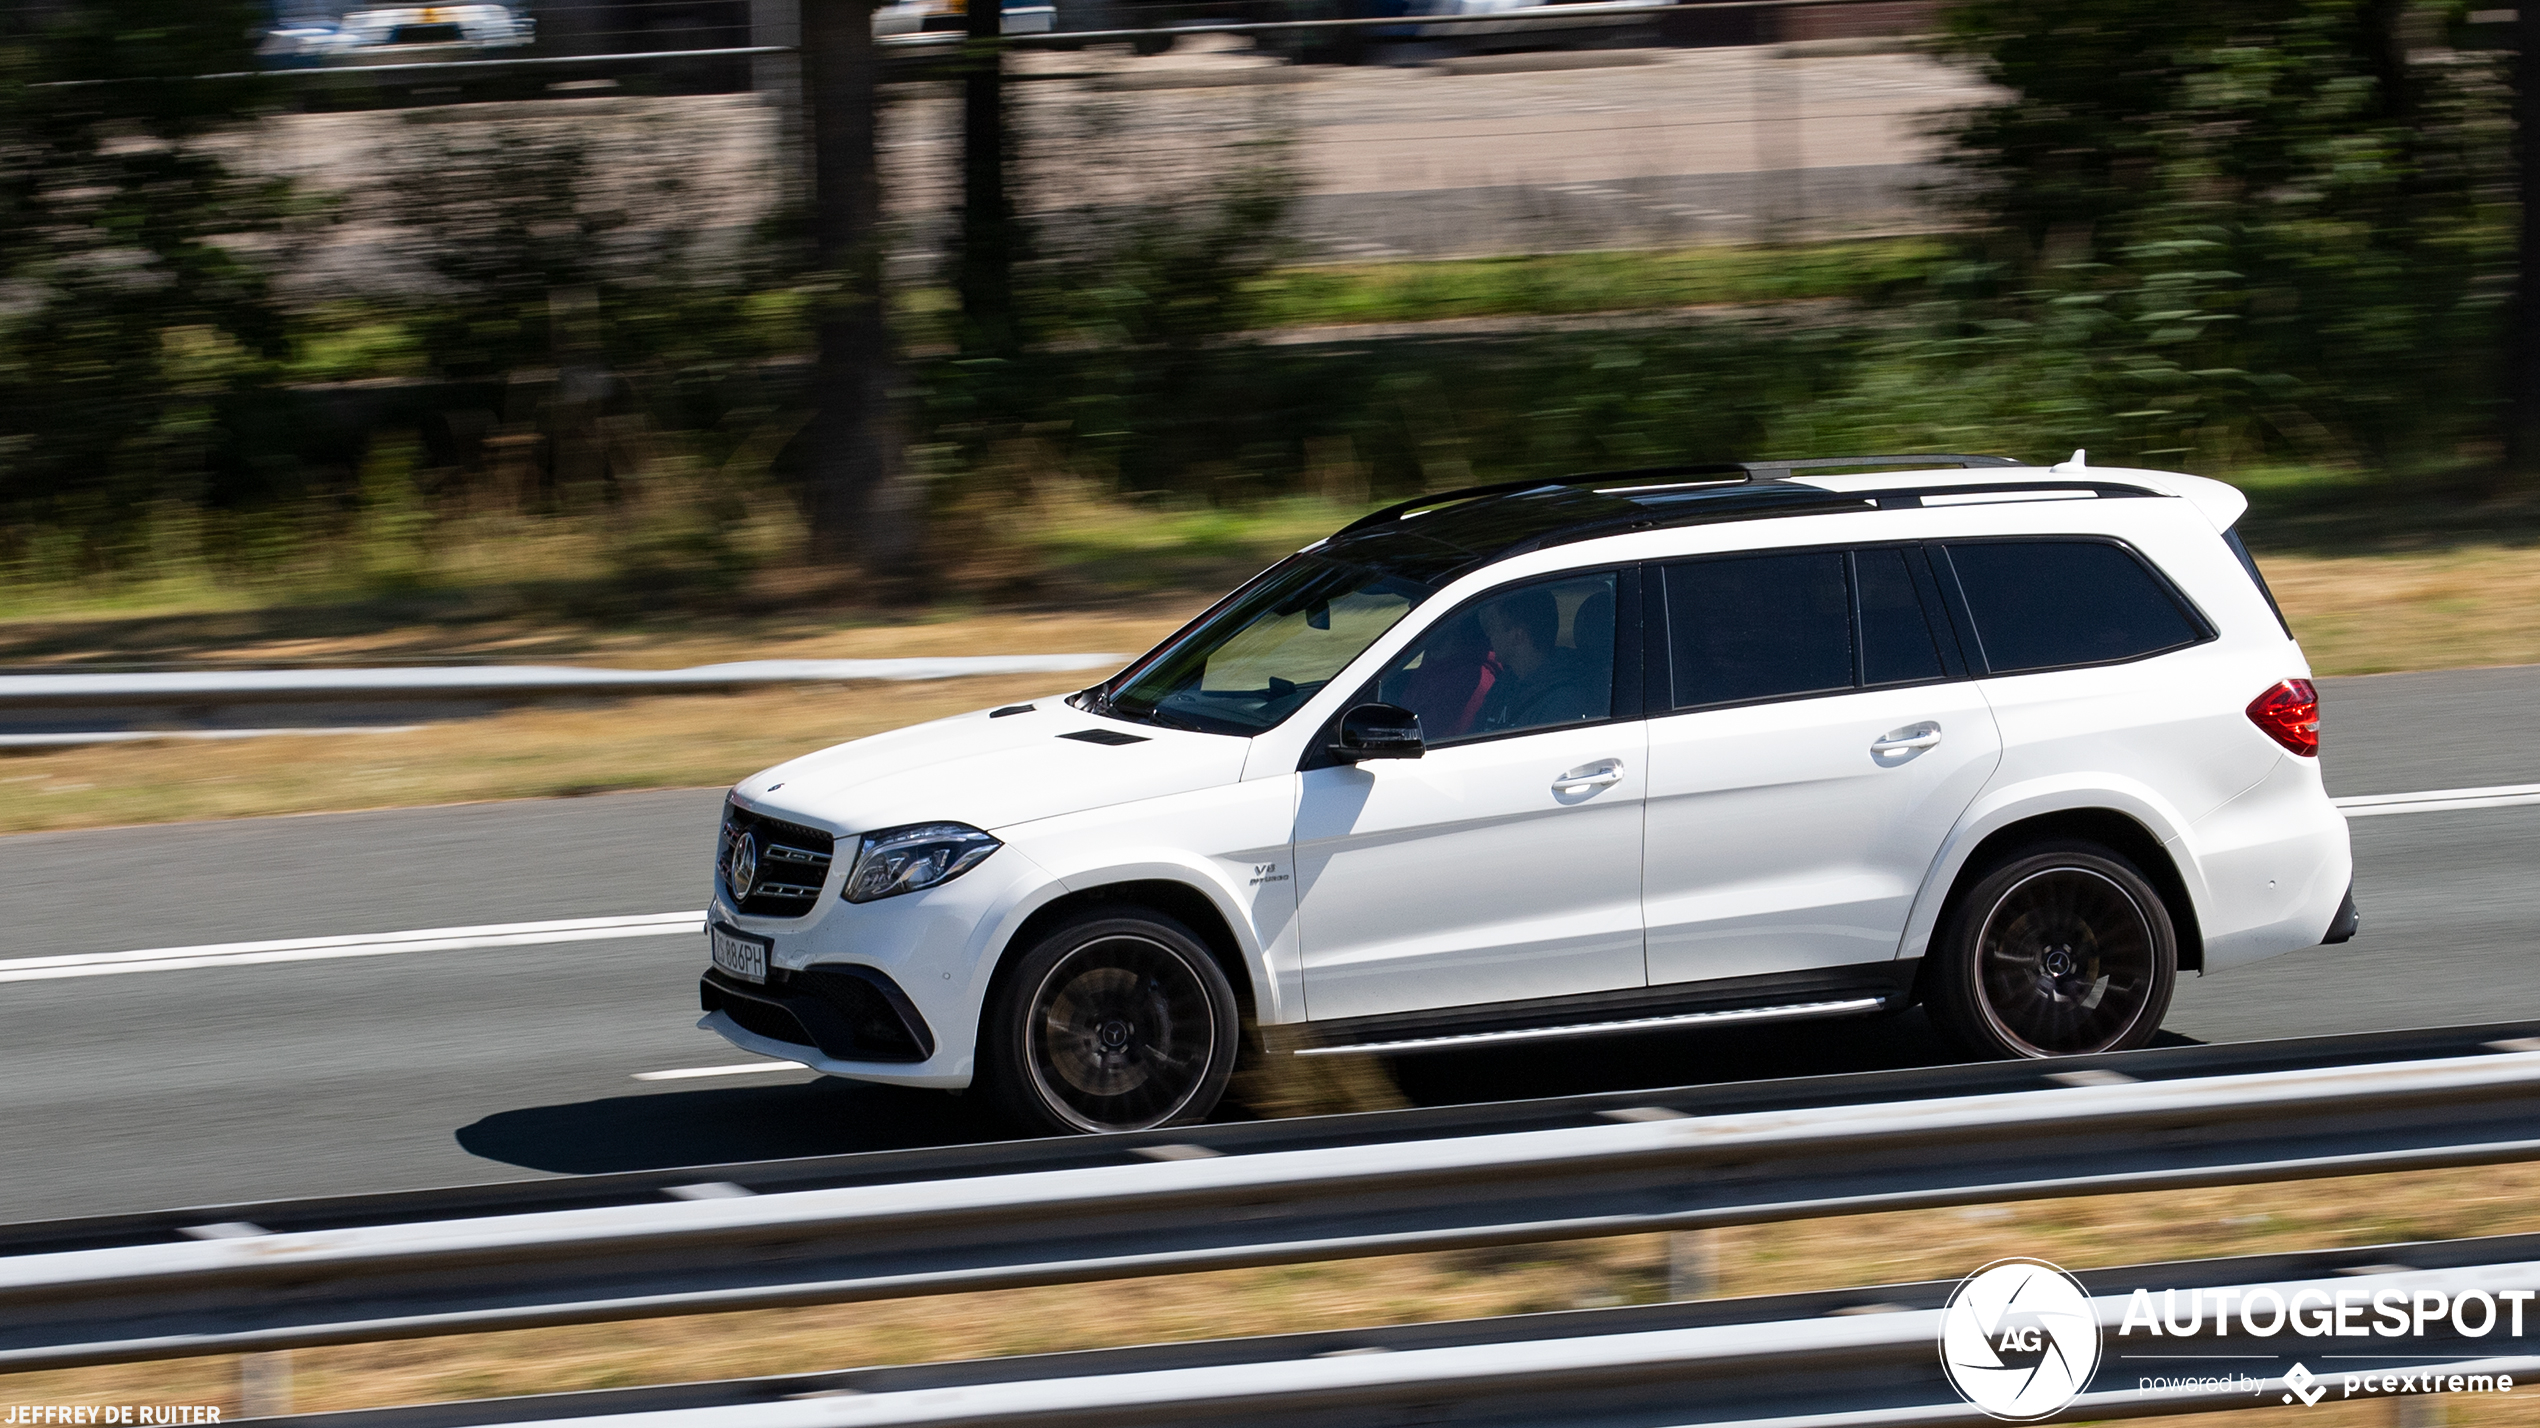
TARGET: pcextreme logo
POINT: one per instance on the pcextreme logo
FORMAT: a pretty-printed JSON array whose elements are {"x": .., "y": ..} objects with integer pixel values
[{"x": 2018, "y": 1339}]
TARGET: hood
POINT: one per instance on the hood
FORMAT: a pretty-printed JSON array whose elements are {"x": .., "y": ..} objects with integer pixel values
[{"x": 991, "y": 772}]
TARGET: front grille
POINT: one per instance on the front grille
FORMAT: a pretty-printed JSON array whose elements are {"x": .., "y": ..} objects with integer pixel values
[{"x": 792, "y": 863}]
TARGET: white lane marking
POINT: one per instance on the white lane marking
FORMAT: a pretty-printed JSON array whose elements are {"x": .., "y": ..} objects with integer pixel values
[
  {"x": 2440, "y": 800},
  {"x": 659, "y": 924},
  {"x": 745, "y": 1068},
  {"x": 377, "y": 944}
]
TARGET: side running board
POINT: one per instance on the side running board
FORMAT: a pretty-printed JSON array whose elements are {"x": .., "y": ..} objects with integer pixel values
[{"x": 1793, "y": 1012}]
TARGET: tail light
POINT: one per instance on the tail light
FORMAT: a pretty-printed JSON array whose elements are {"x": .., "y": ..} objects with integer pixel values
[{"x": 2290, "y": 715}]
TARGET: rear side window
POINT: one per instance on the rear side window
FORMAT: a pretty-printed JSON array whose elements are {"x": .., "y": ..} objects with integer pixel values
[
  {"x": 1747, "y": 628},
  {"x": 1758, "y": 627},
  {"x": 1896, "y": 642},
  {"x": 2051, "y": 604}
]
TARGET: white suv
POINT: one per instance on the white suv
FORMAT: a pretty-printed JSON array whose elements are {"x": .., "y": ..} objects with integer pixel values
[{"x": 1561, "y": 758}]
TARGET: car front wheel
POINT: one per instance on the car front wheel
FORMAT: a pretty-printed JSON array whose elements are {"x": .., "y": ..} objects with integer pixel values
[
  {"x": 1113, "y": 1021},
  {"x": 2065, "y": 949}
]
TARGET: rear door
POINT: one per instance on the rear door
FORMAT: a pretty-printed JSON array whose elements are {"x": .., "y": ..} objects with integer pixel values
[
  {"x": 1813, "y": 738},
  {"x": 2098, "y": 667},
  {"x": 1504, "y": 864}
]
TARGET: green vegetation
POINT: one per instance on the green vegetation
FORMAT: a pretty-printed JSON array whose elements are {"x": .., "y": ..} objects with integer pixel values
[
  {"x": 2231, "y": 238},
  {"x": 2244, "y": 232},
  {"x": 1551, "y": 284}
]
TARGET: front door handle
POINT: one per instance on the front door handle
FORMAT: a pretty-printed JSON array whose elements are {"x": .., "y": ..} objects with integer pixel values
[
  {"x": 1906, "y": 740},
  {"x": 1601, "y": 774}
]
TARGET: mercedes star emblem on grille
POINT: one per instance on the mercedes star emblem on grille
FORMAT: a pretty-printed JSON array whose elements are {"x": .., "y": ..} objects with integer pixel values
[{"x": 740, "y": 867}]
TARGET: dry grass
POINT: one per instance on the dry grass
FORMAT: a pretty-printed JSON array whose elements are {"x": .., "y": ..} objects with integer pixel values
[
  {"x": 253, "y": 640},
  {"x": 548, "y": 751},
  {"x": 1759, "y": 1259},
  {"x": 2356, "y": 614},
  {"x": 2453, "y": 609},
  {"x": 557, "y": 749}
]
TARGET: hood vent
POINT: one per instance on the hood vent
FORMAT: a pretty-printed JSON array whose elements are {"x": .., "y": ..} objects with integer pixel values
[{"x": 1105, "y": 736}]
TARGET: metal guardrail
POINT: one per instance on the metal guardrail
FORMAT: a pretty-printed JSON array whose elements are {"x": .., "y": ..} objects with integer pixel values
[
  {"x": 273, "y": 686},
  {"x": 955, "y": 1162},
  {"x": 248, "y": 1290},
  {"x": 1830, "y": 1358}
]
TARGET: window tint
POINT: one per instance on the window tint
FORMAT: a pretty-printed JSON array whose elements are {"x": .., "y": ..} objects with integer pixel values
[
  {"x": 1896, "y": 642},
  {"x": 1535, "y": 657},
  {"x": 2248, "y": 562},
  {"x": 2049, "y": 603},
  {"x": 1758, "y": 627}
]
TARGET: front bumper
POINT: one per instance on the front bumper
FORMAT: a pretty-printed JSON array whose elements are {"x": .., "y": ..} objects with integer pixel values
[{"x": 843, "y": 1011}]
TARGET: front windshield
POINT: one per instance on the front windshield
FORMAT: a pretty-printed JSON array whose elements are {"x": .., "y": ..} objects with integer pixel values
[{"x": 1268, "y": 649}]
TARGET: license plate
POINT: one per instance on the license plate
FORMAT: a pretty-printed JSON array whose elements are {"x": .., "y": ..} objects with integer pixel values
[{"x": 738, "y": 953}]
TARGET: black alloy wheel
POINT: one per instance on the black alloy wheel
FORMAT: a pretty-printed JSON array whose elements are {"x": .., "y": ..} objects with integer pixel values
[
  {"x": 1115, "y": 1021},
  {"x": 2064, "y": 949}
]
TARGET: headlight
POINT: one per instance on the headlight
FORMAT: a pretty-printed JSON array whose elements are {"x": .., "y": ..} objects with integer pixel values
[{"x": 898, "y": 860}]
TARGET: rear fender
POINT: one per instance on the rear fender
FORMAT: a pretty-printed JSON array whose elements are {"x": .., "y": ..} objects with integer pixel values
[{"x": 2003, "y": 808}]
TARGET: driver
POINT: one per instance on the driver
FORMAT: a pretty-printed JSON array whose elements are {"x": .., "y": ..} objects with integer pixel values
[{"x": 1541, "y": 683}]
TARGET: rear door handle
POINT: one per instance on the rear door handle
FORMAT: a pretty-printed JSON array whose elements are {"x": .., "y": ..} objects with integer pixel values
[
  {"x": 1907, "y": 739},
  {"x": 1604, "y": 773}
]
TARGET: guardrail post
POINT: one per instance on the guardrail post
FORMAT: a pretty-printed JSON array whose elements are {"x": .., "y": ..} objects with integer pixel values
[
  {"x": 1693, "y": 1264},
  {"x": 264, "y": 1384}
]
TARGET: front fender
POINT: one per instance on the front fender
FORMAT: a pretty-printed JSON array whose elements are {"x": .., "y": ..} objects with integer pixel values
[{"x": 1230, "y": 844}]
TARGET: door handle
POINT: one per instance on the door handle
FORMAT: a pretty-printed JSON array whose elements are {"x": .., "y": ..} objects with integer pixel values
[
  {"x": 1597, "y": 775},
  {"x": 1906, "y": 740}
]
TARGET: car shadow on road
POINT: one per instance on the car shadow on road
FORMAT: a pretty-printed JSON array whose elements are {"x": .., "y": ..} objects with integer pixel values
[
  {"x": 727, "y": 1123},
  {"x": 667, "y": 1129},
  {"x": 1684, "y": 1058}
]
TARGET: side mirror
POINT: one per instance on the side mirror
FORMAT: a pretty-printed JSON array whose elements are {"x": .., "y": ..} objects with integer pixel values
[{"x": 1378, "y": 731}]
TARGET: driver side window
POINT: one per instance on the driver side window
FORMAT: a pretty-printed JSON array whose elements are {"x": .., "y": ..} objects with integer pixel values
[{"x": 1537, "y": 656}]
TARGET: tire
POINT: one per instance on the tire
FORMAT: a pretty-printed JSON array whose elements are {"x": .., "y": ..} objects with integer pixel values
[
  {"x": 1114, "y": 1021},
  {"x": 2062, "y": 949}
]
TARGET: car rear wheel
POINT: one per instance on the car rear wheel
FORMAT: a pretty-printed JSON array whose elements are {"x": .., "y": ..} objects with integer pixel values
[
  {"x": 2065, "y": 949},
  {"x": 1114, "y": 1021}
]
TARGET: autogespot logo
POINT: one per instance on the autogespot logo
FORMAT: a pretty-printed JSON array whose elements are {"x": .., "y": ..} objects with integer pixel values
[{"x": 2018, "y": 1339}]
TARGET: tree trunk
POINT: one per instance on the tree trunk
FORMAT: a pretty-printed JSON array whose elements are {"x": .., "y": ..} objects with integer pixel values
[
  {"x": 987, "y": 243},
  {"x": 861, "y": 506},
  {"x": 2522, "y": 333}
]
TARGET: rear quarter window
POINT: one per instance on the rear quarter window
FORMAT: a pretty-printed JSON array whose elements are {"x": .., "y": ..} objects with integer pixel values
[
  {"x": 2249, "y": 563},
  {"x": 2054, "y": 604}
]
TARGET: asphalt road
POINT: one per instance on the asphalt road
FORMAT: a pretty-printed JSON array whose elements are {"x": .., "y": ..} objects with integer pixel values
[{"x": 208, "y": 1085}]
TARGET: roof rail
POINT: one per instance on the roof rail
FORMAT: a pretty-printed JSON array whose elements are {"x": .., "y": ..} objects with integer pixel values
[
  {"x": 1726, "y": 471},
  {"x": 1721, "y": 471},
  {"x": 1774, "y": 470}
]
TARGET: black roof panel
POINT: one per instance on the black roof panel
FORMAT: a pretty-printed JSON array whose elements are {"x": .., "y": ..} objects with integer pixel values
[
  {"x": 1489, "y": 523},
  {"x": 1493, "y": 527}
]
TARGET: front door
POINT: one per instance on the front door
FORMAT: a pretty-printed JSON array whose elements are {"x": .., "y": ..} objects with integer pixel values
[
  {"x": 1504, "y": 864},
  {"x": 1820, "y": 752}
]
